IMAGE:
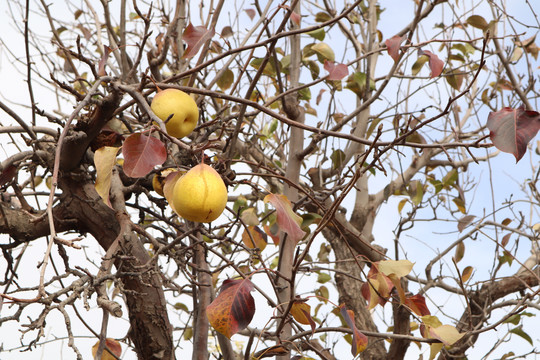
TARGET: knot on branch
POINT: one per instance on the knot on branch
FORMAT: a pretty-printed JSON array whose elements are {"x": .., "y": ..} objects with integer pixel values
[{"x": 290, "y": 106}]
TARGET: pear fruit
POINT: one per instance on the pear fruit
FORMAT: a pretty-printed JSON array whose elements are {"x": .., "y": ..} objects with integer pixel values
[
  {"x": 200, "y": 195},
  {"x": 181, "y": 106}
]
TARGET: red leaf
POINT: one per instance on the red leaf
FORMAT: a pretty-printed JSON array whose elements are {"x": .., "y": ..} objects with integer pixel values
[
  {"x": 417, "y": 303},
  {"x": 435, "y": 64},
  {"x": 141, "y": 154},
  {"x": 295, "y": 17},
  {"x": 336, "y": 70},
  {"x": 393, "y": 45},
  {"x": 112, "y": 344},
  {"x": 195, "y": 37},
  {"x": 234, "y": 307},
  {"x": 360, "y": 340},
  {"x": 103, "y": 61},
  {"x": 512, "y": 129},
  {"x": 250, "y": 13},
  {"x": 287, "y": 220},
  {"x": 377, "y": 288}
]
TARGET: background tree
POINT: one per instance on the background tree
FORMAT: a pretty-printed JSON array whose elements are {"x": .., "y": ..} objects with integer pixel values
[{"x": 366, "y": 199}]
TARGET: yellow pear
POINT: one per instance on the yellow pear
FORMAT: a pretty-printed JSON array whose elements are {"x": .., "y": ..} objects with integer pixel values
[
  {"x": 181, "y": 106},
  {"x": 200, "y": 195}
]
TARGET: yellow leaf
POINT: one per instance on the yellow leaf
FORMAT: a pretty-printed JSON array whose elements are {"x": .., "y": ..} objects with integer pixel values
[
  {"x": 104, "y": 161},
  {"x": 301, "y": 312},
  {"x": 466, "y": 274},
  {"x": 398, "y": 267},
  {"x": 253, "y": 237}
]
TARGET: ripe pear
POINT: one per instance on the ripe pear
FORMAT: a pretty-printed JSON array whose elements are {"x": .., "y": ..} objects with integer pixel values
[
  {"x": 181, "y": 106},
  {"x": 200, "y": 195}
]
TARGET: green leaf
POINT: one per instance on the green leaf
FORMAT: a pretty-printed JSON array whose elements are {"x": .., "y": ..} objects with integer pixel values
[
  {"x": 304, "y": 94},
  {"x": 372, "y": 127},
  {"x": 268, "y": 68},
  {"x": 225, "y": 80},
  {"x": 417, "y": 66},
  {"x": 450, "y": 178},
  {"x": 337, "y": 157},
  {"x": 478, "y": 22},
  {"x": 318, "y": 34},
  {"x": 465, "y": 48},
  {"x": 322, "y": 17},
  {"x": 323, "y": 278},
  {"x": 454, "y": 79},
  {"x": 323, "y": 293},
  {"x": 519, "y": 332},
  {"x": 324, "y": 51}
]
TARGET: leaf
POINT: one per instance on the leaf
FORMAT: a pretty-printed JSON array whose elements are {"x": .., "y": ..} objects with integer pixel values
[
  {"x": 325, "y": 51},
  {"x": 273, "y": 232},
  {"x": 337, "y": 157},
  {"x": 376, "y": 290},
  {"x": 447, "y": 334},
  {"x": 141, "y": 154},
  {"x": 226, "y": 79},
  {"x": 460, "y": 251},
  {"x": 466, "y": 273},
  {"x": 478, "y": 22},
  {"x": 234, "y": 307},
  {"x": 402, "y": 204},
  {"x": 512, "y": 129},
  {"x": 398, "y": 267},
  {"x": 505, "y": 239},
  {"x": 417, "y": 66},
  {"x": 227, "y": 31},
  {"x": 269, "y": 68},
  {"x": 464, "y": 221},
  {"x": 336, "y": 71},
  {"x": 250, "y": 13},
  {"x": 258, "y": 238},
  {"x": 104, "y": 161},
  {"x": 301, "y": 312},
  {"x": 454, "y": 79},
  {"x": 322, "y": 17},
  {"x": 417, "y": 303},
  {"x": 450, "y": 178},
  {"x": 318, "y": 34},
  {"x": 271, "y": 351},
  {"x": 249, "y": 217},
  {"x": 435, "y": 64},
  {"x": 195, "y": 37},
  {"x": 460, "y": 205},
  {"x": 287, "y": 220},
  {"x": 323, "y": 278},
  {"x": 112, "y": 344},
  {"x": 360, "y": 340},
  {"x": 103, "y": 60},
  {"x": 393, "y": 45}
]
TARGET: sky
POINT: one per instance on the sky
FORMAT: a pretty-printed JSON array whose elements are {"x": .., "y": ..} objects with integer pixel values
[{"x": 503, "y": 170}]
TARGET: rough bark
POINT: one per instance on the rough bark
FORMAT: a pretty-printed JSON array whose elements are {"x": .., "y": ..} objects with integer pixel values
[{"x": 349, "y": 290}]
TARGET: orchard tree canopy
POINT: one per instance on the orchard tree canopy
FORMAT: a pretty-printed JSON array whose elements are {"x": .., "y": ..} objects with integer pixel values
[{"x": 380, "y": 160}]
